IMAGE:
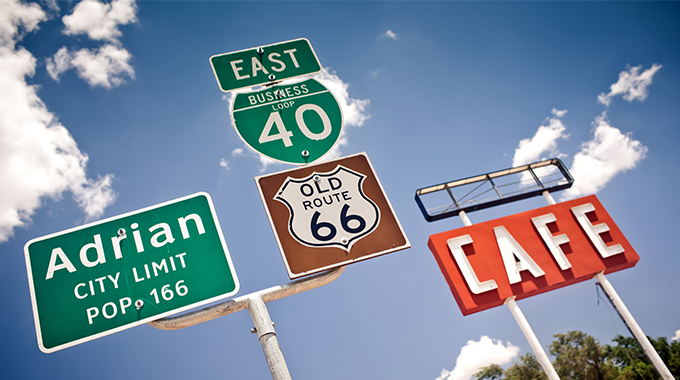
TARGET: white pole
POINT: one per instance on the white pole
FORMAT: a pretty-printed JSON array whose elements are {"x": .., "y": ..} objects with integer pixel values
[
  {"x": 522, "y": 321},
  {"x": 267, "y": 336},
  {"x": 531, "y": 337},
  {"x": 548, "y": 197},
  {"x": 255, "y": 303},
  {"x": 634, "y": 328}
]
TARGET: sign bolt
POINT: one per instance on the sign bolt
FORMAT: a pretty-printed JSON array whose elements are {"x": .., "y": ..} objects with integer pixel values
[
  {"x": 139, "y": 304},
  {"x": 253, "y": 330},
  {"x": 278, "y": 93},
  {"x": 121, "y": 231},
  {"x": 344, "y": 241},
  {"x": 305, "y": 153},
  {"x": 260, "y": 50},
  {"x": 316, "y": 178},
  {"x": 272, "y": 77}
]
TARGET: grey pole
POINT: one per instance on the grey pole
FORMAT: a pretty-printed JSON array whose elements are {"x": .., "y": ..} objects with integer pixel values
[
  {"x": 510, "y": 302},
  {"x": 634, "y": 328},
  {"x": 267, "y": 336},
  {"x": 256, "y": 305}
]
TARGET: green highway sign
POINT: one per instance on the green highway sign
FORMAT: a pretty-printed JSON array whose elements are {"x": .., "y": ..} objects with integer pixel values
[
  {"x": 264, "y": 64},
  {"x": 121, "y": 272},
  {"x": 296, "y": 123}
]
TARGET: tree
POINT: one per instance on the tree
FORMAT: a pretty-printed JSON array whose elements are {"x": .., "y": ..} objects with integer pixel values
[
  {"x": 634, "y": 364},
  {"x": 579, "y": 356},
  {"x": 490, "y": 372},
  {"x": 528, "y": 369}
]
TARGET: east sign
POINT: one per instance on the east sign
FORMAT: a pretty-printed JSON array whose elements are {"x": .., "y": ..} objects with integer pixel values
[
  {"x": 295, "y": 123},
  {"x": 264, "y": 64},
  {"x": 100, "y": 278},
  {"x": 530, "y": 253},
  {"x": 330, "y": 214}
]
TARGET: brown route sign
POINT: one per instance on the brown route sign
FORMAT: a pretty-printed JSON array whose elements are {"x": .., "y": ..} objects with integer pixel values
[{"x": 330, "y": 214}]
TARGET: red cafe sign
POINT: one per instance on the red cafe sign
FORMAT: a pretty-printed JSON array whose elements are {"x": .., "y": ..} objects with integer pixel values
[{"x": 530, "y": 253}]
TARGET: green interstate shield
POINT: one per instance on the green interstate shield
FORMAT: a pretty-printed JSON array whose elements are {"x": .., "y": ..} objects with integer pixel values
[
  {"x": 124, "y": 271},
  {"x": 295, "y": 123}
]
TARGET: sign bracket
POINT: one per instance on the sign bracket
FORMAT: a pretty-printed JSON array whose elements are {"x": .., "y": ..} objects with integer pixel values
[{"x": 256, "y": 304}]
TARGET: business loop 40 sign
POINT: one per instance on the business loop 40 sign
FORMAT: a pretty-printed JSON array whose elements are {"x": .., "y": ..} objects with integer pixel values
[{"x": 296, "y": 123}]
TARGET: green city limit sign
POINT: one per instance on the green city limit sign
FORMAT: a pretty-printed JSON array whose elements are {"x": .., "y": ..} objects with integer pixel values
[
  {"x": 107, "y": 276},
  {"x": 295, "y": 123}
]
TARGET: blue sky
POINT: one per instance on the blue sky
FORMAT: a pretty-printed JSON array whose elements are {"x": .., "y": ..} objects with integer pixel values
[{"x": 109, "y": 108}]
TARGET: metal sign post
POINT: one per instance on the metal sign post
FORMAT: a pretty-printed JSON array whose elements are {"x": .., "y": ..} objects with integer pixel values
[
  {"x": 633, "y": 327},
  {"x": 535, "y": 344},
  {"x": 256, "y": 305},
  {"x": 627, "y": 317}
]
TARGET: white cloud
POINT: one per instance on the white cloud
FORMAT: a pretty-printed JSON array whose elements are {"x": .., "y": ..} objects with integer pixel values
[
  {"x": 99, "y": 20},
  {"x": 389, "y": 34},
  {"x": 58, "y": 64},
  {"x": 475, "y": 355},
  {"x": 225, "y": 164},
  {"x": 109, "y": 65},
  {"x": 544, "y": 141},
  {"x": 609, "y": 152},
  {"x": 631, "y": 84},
  {"x": 14, "y": 16},
  {"x": 353, "y": 110},
  {"x": 38, "y": 156},
  {"x": 676, "y": 336}
]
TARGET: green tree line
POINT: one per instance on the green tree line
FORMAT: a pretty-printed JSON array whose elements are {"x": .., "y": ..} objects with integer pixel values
[{"x": 579, "y": 356}]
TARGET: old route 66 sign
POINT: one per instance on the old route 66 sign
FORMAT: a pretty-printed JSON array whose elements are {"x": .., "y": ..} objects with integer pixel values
[
  {"x": 329, "y": 209},
  {"x": 330, "y": 214}
]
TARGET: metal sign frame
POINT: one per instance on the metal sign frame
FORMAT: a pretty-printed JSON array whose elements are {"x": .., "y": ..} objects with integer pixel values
[{"x": 534, "y": 187}]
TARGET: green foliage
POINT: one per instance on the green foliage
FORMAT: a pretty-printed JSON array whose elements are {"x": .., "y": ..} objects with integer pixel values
[
  {"x": 528, "y": 369},
  {"x": 490, "y": 372},
  {"x": 579, "y": 356},
  {"x": 634, "y": 364}
]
